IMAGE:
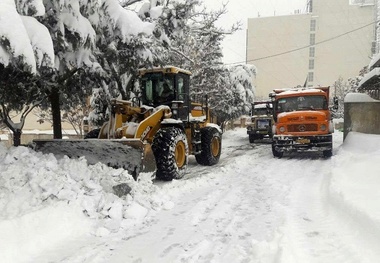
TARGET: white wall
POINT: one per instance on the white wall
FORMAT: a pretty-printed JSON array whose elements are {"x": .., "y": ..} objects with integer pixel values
[{"x": 341, "y": 56}]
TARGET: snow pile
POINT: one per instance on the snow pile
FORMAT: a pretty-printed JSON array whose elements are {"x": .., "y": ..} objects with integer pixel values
[
  {"x": 45, "y": 201},
  {"x": 356, "y": 177},
  {"x": 42, "y": 198},
  {"x": 48, "y": 204}
]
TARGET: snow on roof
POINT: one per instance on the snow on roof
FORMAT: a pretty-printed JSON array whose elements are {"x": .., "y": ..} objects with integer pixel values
[
  {"x": 375, "y": 61},
  {"x": 262, "y": 106},
  {"x": 358, "y": 97},
  {"x": 367, "y": 77},
  {"x": 300, "y": 91}
]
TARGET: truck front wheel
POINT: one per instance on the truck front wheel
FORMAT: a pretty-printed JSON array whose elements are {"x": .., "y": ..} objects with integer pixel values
[
  {"x": 327, "y": 153},
  {"x": 276, "y": 153}
]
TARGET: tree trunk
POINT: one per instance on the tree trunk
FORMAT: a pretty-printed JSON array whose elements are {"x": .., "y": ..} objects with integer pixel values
[
  {"x": 56, "y": 113},
  {"x": 17, "y": 137}
]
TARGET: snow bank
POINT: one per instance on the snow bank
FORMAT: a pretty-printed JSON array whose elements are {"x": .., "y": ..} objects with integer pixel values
[
  {"x": 38, "y": 231},
  {"x": 45, "y": 201},
  {"x": 358, "y": 97},
  {"x": 356, "y": 177}
]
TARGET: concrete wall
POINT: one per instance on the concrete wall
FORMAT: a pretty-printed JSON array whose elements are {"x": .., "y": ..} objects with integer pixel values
[
  {"x": 362, "y": 117},
  {"x": 26, "y": 138}
]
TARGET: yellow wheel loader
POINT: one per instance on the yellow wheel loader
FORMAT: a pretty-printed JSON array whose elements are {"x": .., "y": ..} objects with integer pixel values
[{"x": 155, "y": 132}]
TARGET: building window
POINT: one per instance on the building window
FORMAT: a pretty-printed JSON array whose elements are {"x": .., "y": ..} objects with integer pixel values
[
  {"x": 312, "y": 52},
  {"x": 310, "y": 77},
  {"x": 312, "y": 39},
  {"x": 313, "y": 24},
  {"x": 311, "y": 63}
]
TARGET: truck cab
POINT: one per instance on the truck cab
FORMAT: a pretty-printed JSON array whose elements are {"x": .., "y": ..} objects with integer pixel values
[
  {"x": 303, "y": 121},
  {"x": 261, "y": 121}
]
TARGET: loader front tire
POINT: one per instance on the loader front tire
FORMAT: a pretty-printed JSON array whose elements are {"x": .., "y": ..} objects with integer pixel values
[
  {"x": 211, "y": 146},
  {"x": 171, "y": 150}
]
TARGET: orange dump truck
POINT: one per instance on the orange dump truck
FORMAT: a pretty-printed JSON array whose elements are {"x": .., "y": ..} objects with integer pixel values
[{"x": 303, "y": 121}]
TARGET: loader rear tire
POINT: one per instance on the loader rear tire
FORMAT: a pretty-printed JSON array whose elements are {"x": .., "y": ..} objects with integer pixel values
[
  {"x": 171, "y": 150},
  {"x": 211, "y": 145}
]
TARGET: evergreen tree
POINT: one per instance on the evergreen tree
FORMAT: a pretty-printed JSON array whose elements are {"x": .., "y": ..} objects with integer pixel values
[
  {"x": 124, "y": 43},
  {"x": 195, "y": 44},
  {"x": 73, "y": 39},
  {"x": 25, "y": 48}
]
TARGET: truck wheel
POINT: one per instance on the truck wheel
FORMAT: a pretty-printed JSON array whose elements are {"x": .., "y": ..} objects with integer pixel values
[
  {"x": 93, "y": 134},
  {"x": 211, "y": 146},
  {"x": 276, "y": 153},
  {"x": 171, "y": 151},
  {"x": 252, "y": 138},
  {"x": 327, "y": 153}
]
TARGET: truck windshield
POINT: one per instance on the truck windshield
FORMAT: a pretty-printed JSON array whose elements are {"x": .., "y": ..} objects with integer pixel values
[
  {"x": 157, "y": 89},
  {"x": 262, "y": 109},
  {"x": 302, "y": 103}
]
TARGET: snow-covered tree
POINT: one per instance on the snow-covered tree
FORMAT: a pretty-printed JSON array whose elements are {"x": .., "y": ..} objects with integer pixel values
[
  {"x": 354, "y": 82},
  {"x": 73, "y": 39},
  {"x": 194, "y": 43},
  {"x": 25, "y": 48},
  {"x": 238, "y": 98},
  {"x": 340, "y": 90},
  {"x": 124, "y": 43}
]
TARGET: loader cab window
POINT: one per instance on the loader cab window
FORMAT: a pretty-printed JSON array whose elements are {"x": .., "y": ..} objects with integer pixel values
[
  {"x": 182, "y": 82},
  {"x": 180, "y": 88},
  {"x": 157, "y": 89},
  {"x": 149, "y": 90},
  {"x": 164, "y": 90}
]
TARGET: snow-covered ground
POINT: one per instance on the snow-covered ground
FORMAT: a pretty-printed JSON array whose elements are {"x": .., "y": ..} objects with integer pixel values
[{"x": 250, "y": 207}]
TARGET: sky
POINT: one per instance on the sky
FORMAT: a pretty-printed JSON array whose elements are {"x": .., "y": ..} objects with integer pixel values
[
  {"x": 234, "y": 46},
  {"x": 250, "y": 207}
]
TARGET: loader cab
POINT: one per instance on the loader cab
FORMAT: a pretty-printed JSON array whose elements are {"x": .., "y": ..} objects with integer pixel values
[{"x": 166, "y": 86}]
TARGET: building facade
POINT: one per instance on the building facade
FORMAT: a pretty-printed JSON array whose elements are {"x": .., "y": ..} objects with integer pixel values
[{"x": 332, "y": 39}]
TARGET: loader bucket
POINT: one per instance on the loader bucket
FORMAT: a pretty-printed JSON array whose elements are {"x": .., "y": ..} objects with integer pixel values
[{"x": 130, "y": 154}]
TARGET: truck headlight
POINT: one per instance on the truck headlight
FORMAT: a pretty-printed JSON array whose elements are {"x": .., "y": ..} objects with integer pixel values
[
  {"x": 282, "y": 129},
  {"x": 323, "y": 127}
]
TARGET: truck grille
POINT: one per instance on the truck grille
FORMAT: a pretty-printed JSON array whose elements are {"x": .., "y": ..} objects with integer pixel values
[
  {"x": 263, "y": 124},
  {"x": 302, "y": 127}
]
